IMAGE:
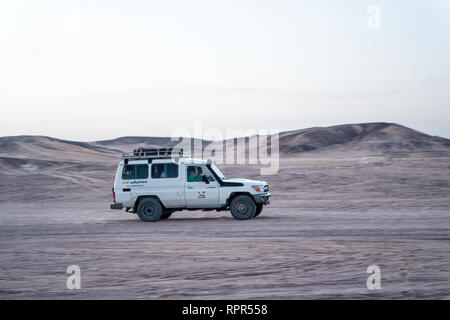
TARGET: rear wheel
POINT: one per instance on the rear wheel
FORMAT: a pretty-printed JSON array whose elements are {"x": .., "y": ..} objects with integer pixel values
[
  {"x": 149, "y": 210},
  {"x": 243, "y": 207},
  {"x": 259, "y": 208}
]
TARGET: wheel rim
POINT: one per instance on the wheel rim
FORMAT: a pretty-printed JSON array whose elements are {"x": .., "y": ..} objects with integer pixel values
[
  {"x": 241, "y": 208},
  {"x": 148, "y": 211}
]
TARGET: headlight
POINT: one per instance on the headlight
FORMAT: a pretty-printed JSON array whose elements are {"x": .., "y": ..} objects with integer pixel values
[{"x": 258, "y": 188}]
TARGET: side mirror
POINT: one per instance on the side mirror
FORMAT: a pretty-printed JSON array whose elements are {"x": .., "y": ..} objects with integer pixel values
[{"x": 205, "y": 179}]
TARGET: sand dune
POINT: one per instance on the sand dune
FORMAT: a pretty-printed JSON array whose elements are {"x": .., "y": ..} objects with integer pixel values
[
  {"x": 363, "y": 139},
  {"x": 46, "y": 148},
  {"x": 351, "y": 140}
]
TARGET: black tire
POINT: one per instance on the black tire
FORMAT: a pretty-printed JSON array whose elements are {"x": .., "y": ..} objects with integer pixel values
[
  {"x": 259, "y": 208},
  {"x": 149, "y": 210},
  {"x": 166, "y": 214},
  {"x": 243, "y": 208}
]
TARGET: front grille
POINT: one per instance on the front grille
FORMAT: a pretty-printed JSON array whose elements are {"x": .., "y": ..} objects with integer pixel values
[{"x": 266, "y": 188}]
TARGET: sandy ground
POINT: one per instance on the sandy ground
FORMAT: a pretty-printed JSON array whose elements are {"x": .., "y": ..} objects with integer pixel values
[{"x": 330, "y": 219}]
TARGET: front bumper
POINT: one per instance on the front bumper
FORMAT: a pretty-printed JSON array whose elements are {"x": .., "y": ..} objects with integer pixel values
[
  {"x": 263, "y": 198},
  {"x": 117, "y": 206}
]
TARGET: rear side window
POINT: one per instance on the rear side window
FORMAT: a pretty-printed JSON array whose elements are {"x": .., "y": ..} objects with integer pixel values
[
  {"x": 136, "y": 171},
  {"x": 164, "y": 170}
]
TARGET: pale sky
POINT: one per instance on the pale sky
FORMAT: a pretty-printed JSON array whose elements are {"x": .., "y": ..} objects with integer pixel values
[{"x": 90, "y": 70}]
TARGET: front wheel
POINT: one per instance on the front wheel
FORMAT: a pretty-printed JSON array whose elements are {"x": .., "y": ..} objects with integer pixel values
[
  {"x": 149, "y": 210},
  {"x": 243, "y": 207}
]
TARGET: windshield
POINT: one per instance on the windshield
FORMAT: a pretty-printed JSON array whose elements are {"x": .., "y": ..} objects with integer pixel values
[{"x": 217, "y": 171}]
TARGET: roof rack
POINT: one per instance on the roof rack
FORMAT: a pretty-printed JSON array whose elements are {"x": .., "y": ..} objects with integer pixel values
[{"x": 141, "y": 153}]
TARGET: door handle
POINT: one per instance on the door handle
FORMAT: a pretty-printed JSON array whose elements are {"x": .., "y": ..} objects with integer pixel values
[
  {"x": 210, "y": 187},
  {"x": 190, "y": 187}
]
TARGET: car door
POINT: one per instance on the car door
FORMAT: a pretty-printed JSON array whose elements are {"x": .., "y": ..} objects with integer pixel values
[{"x": 199, "y": 194}]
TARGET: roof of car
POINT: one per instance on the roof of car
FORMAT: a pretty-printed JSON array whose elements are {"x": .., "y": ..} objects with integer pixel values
[{"x": 183, "y": 160}]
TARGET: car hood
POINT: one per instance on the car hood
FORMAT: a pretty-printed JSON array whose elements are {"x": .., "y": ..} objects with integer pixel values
[{"x": 246, "y": 181}]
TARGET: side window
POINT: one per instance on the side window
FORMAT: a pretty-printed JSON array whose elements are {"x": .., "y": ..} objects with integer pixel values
[
  {"x": 196, "y": 173},
  {"x": 164, "y": 170},
  {"x": 136, "y": 171}
]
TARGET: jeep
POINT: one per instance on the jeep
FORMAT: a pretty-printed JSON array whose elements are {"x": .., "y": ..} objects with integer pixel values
[{"x": 154, "y": 183}]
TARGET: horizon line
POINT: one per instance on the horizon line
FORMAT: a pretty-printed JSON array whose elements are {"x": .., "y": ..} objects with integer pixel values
[{"x": 235, "y": 137}]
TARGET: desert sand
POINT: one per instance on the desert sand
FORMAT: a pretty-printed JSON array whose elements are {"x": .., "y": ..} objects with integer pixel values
[{"x": 378, "y": 198}]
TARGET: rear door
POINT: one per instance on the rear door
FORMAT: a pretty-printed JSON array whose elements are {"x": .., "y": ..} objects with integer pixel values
[{"x": 167, "y": 184}]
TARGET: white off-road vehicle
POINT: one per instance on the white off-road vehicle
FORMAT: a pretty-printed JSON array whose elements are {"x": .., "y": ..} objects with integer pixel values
[{"x": 154, "y": 183}]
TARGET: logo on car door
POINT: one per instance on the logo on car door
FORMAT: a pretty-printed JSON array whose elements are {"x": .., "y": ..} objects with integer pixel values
[{"x": 201, "y": 194}]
